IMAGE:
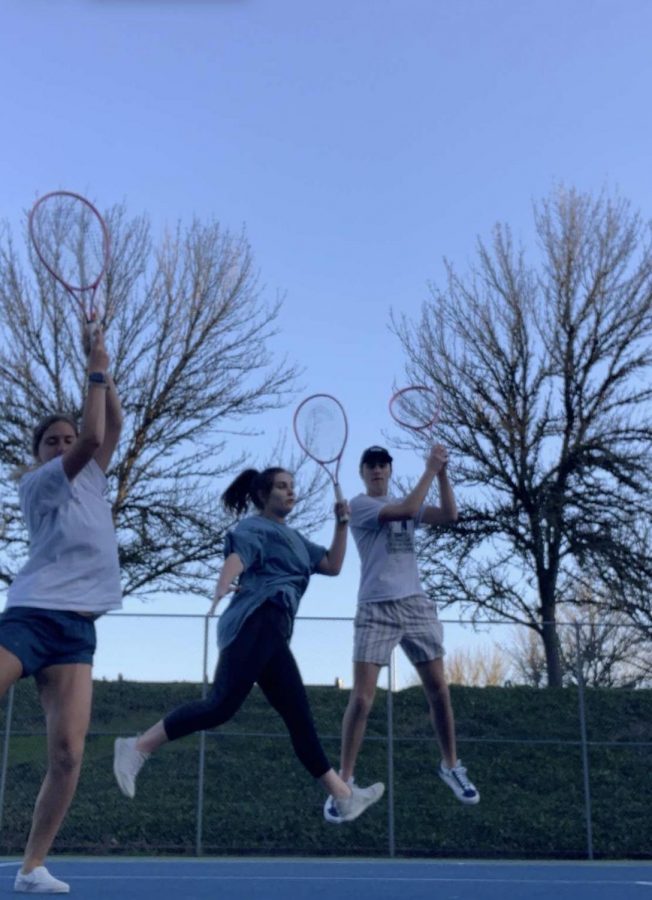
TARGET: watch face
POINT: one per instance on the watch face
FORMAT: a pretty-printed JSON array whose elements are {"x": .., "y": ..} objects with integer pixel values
[{"x": 97, "y": 376}]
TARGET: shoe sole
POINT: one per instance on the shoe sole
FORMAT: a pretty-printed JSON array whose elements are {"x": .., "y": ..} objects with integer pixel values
[{"x": 29, "y": 889}]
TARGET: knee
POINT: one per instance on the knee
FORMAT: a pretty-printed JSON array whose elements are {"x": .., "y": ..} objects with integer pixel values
[
  {"x": 360, "y": 704},
  {"x": 66, "y": 757}
]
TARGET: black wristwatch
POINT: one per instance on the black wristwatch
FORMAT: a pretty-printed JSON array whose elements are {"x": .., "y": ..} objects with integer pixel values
[{"x": 97, "y": 378}]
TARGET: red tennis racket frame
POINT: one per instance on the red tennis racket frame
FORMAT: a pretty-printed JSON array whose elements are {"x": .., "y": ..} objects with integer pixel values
[
  {"x": 324, "y": 463},
  {"x": 426, "y": 426},
  {"x": 74, "y": 290}
]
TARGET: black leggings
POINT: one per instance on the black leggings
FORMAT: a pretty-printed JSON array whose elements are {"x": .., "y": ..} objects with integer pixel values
[{"x": 260, "y": 653}]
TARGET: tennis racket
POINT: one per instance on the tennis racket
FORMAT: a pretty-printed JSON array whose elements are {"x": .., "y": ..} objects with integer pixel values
[
  {"x": 72, "y": 241},
  {"x": 322, "y": 429},
  {"x": 417, "y": 408}
]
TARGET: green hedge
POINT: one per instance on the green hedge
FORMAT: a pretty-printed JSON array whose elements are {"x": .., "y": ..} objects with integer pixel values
[{"x": 521, "y": 746}]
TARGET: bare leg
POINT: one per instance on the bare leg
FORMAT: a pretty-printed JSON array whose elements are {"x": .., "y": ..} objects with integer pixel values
[
  {"x": 435, "y": 686},
  {"x": 354, "y": 723},
  {"x": 66, "y": 693},
  {"x": 11, "y": 669},
  {"x": 152, "y": 739},
  {"x": 334, "y": 785}
]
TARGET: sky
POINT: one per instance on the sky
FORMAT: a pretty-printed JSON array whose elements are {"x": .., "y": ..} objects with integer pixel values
[{"x": 359, "y": 143}]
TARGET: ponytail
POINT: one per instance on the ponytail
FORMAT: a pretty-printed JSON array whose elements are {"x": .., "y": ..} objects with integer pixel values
[{"x": 251, "y": 486}]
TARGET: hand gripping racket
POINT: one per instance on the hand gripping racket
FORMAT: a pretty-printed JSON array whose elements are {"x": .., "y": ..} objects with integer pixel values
[
  {"x": 321, "y": 428},
  {"x": 72, "y": 241}
]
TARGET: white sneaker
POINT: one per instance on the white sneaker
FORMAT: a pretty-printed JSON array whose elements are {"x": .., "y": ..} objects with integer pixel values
[
  {"x": 39, "y": 881},
  {"x": 127, "y": 763},
  {"x": 330, "y": 810},
  {"x": 457, "y": 781},
  {"x": 349, "y": 808}
]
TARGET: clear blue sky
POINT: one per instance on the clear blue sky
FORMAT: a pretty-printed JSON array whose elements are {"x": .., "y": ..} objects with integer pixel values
[{"x": 359, "y": 141}]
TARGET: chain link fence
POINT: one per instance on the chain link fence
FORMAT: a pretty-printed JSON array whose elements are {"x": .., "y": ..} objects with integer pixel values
[{"x": 563, "y": 773}]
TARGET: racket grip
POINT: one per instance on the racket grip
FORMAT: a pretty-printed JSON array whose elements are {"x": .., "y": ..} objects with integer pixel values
[{"x": 339, "y": 496}]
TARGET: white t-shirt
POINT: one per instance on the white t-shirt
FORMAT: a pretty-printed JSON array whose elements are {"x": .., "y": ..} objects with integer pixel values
[
  {"x": 73, "y": 551},
  {"x": 387, "y": 558}
]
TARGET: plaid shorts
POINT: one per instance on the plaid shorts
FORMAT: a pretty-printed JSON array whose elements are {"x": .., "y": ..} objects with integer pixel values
[{"x": 411, "y": 622}]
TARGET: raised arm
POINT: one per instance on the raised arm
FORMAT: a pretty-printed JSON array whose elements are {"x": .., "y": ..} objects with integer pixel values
[
  {"x": 93, "y": 423},
  {"x": 446, "y": 512},
  {"x": 409, "y": 506},
  {"x": 331, "y": 562},
  {"x": 113, "y": 425}
]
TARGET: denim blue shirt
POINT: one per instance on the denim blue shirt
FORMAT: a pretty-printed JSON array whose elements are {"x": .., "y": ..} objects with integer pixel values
[{"x": 278, "y": 563}]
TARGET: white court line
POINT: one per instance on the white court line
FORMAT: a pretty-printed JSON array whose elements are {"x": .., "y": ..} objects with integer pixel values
[{"x": 356, "y": 878}]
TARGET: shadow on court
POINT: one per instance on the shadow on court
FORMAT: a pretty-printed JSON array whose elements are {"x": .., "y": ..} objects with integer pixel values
[{"x": 255, "y": 879}]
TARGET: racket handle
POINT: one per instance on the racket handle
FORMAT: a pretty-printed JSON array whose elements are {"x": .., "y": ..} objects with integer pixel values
[{"x": 339, "y": 496}]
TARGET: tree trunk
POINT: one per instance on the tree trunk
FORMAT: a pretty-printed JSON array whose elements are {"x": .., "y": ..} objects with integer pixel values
[{"x": 551, "y": 646}]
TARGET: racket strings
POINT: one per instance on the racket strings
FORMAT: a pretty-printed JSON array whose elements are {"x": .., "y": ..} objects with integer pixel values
[
  {"x": 71, "y": 241},
  {"x": 321, "y": 429},
  {"x": 417, "y": 408}
]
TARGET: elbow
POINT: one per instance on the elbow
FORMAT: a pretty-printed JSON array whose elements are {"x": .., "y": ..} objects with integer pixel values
[
  {"x": 331, "y": 567},
  {"x": 449, "y": 511}
]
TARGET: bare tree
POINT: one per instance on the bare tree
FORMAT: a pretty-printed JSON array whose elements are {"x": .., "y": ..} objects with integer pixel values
[
  {"x": 544, "y": 370},
  {"x": 189, "y": 336},
  {"x": 527, "y": 659},
  {"x": 606, "y": 647},
  {"x": 483, "y": 666}
]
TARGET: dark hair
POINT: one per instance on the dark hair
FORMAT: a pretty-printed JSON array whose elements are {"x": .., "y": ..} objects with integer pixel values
[
  {"x": 375, "y": 454},
  {"x": 44, "y": 424},
  {"x": 251, "y": 486}
]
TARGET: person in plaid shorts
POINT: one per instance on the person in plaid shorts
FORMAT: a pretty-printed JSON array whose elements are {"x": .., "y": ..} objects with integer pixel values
[{"x": 394, "y": 609}]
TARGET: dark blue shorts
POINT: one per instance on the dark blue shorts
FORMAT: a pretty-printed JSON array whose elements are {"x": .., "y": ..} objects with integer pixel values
[{"x": 47, "y": 637}]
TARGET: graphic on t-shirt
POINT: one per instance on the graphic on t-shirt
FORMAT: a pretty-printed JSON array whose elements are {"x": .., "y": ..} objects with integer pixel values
[{"x": 400, "y": 537}]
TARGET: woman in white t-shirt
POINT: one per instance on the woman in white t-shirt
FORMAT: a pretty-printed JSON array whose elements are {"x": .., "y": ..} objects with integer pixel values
[{"x": 72, "y": 576}]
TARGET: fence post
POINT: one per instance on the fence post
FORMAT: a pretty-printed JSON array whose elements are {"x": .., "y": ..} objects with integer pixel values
[
  {"x": 5, "y": 752},
  {"x": 585, "y": 750},
  {"x": 199, "y": 832},
  {"x": 391, "y": 683}
]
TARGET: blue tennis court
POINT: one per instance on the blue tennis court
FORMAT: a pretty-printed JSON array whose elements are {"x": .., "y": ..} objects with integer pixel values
[{"x": 336, "y": 879}]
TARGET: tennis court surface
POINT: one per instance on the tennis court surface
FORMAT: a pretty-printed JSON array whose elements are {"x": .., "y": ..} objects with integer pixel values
[{"x": 337, "y": 879}]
